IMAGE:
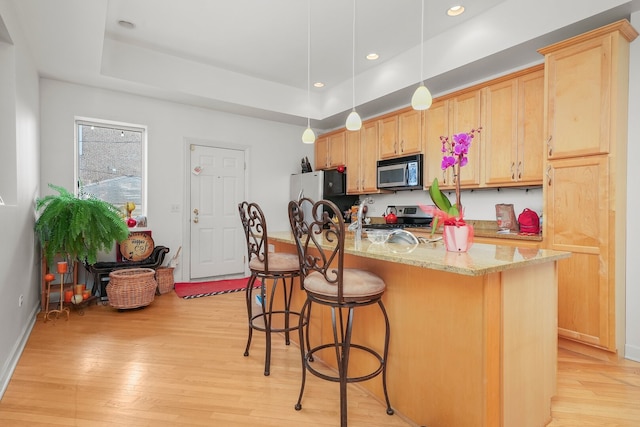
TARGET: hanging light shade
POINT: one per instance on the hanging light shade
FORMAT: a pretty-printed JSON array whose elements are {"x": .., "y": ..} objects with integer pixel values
[
  {"x": 354, "y": 122},
  {"x": 308, "y": 136},
  {"x": 421, "y": 99}
]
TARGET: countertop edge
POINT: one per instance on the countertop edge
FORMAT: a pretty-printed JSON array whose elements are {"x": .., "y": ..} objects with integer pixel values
[{"x": 481, "y": 259}]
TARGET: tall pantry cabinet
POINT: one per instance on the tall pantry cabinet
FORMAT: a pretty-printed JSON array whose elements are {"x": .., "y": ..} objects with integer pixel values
[{"x": 586, "y": 97}]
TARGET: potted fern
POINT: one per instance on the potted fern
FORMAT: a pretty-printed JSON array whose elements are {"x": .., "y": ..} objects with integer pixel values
[{"x": 77, "y": 228}]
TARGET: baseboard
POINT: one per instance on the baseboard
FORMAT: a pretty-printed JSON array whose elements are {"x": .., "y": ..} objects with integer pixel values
[
  {"x": 632, "y": 352},
  {"x": 588, "y": 350},
  {"x": 16, "y": 351}
]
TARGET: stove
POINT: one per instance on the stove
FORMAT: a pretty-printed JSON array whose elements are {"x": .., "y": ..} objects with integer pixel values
[{"x": 409, "y": 216}]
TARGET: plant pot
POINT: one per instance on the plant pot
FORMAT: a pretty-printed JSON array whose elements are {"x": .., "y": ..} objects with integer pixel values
[
  {"x": 457, "y": 238},
  {"x": 62, "y": 267}
]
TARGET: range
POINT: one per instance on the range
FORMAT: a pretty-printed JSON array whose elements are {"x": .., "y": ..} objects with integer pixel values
[{"x": 410, "y": 216}]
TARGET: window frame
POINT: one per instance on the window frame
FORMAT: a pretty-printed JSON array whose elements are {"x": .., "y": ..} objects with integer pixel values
[{"x": 87, "y": 121}]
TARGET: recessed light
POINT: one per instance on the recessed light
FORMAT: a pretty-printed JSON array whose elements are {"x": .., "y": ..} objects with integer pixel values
[
  {"x": 126, "y": 24},
  {"x": 372, "y": 56},
  {"x": 455, "y": 10},
  {"x": 318, "y": 84}
]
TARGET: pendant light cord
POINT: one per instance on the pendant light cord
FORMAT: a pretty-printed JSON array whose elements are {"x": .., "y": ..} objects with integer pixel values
[
  {"x": 422, "y": 45},
  {"x": 353, "y": 56},
  {"x": 309, "y": 63}
]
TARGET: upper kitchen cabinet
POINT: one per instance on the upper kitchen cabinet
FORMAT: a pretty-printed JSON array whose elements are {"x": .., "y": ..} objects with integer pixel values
[
  {"x": 330, "y": 150},
  {"x": 458, "y": 113},
  {"x": 586, "y": 97},
  {"x": 400, "y": 134},
  {"x": 362, "y": 149},
  {"x": 436, "y": 124},
  {"x": 583, "y": 97},
  {"x": 513, "y": 130}
]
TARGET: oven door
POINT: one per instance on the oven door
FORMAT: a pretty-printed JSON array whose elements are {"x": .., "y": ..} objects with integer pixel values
[{"x": 392, "y": 176}]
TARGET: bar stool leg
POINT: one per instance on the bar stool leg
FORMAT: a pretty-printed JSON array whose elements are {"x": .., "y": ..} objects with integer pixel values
[
  {"x": 386, "y": 356},
  {"x": 249, "y": 297},
  {"x": 303, "y": 330},
  {"x": 343, "y": 348}
]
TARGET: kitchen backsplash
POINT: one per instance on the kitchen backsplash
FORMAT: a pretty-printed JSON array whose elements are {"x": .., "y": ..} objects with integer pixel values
[{"x": 478, "y": 204}]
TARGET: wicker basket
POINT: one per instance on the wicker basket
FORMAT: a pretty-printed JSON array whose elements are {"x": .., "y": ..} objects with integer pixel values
[
  {"x": 131, "y": 288},
  {"x": 164, "y": 277}
]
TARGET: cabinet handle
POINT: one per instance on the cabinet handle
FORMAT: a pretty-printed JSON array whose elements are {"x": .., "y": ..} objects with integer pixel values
[
  {"x": 519, "y": 171},
  {"x": 513, "y": 172},
  {"x": 549, "y": 147},
  {"x": 402, "y": 146},
  {"x": 548, "y": 173}
]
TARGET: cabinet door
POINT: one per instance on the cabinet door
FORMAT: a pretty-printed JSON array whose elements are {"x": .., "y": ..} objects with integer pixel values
[
  {"x": 501, "y": 133},
  {"x": 436, "y": 124},
  {"x": 410, "y": 132},
  {"x": 369, "y": 157},
  {"x": 531, "y": 146},
  {"x": 578, "y": 99},
  {"x": 321, "y": 153},
  {"x": 388, "y": 133},
  {"x": 576, "y": 220},
  {"x": 465, "y": 115},
  {"x": 337, "y": 149},
  {"x": 353, "y": 163}
]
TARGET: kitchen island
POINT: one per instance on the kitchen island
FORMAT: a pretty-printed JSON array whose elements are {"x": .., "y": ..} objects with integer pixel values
[{"x": 473, "y": 335}]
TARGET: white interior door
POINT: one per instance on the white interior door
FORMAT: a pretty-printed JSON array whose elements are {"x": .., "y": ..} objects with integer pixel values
[{"x": 217, "y": 186}]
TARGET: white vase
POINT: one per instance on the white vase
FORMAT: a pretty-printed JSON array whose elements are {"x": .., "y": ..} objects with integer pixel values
[{"x": 457, "y": 238}]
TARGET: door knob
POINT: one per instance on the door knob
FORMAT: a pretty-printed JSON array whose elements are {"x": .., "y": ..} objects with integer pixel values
[
  {"x": 195, "y": 211},
  {"x": 195, "y": 220}
]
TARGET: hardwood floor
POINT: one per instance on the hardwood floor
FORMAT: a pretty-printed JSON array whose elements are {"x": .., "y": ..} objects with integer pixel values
[{"x": 179, "y": 363}]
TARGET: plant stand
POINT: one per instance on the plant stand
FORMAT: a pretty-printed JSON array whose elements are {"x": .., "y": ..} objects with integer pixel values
[{"x": 55, "y": 313}]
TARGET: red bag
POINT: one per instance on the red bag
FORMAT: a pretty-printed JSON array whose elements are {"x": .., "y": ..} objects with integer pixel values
[{"x": 529, "y": 222}]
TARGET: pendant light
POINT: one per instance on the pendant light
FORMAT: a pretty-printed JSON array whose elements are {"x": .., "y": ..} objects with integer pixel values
[
  {"x": 308, "y": 136},
  {"x": 353, "y": 119},
  {"x": 421, "y": 99}
]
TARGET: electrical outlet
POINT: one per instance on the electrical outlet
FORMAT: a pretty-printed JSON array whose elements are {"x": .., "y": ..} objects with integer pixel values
[{"x": 20, "y": 300}]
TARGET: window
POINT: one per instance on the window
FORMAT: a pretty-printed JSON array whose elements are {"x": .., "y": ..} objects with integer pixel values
[{"x": 111, "y": 163}]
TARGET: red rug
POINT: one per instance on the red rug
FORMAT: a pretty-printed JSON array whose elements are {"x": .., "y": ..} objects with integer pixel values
[{"x": 206, "y": 289}]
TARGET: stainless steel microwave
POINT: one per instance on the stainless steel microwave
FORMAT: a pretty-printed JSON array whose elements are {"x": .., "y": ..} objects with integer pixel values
[{"x": 402, "y": 173}]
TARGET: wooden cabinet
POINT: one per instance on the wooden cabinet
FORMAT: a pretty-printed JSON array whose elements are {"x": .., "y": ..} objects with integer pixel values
[
  {"x": 400, "y": 134},
  {"x": 321, "y": 150},
  {"x": 456, "y": 114},
  {"x": 436, "y": 124},
  {"x": 362, "y": 157},
  {"x": 330, "y": 150},
  {"x": 586, "y": 95},
  {"x": 513, "y": 131},
  {"x": 581, "y": 75}
]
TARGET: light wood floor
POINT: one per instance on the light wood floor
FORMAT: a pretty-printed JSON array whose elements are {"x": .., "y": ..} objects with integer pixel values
[{"x": 180, "y": 363}]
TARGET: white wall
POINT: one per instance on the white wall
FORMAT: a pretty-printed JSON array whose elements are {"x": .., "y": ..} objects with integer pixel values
[
  {"x": 19, "y": 257},
  {"x": 274, "y": 151},
  {"x": 632, "y": 348}
]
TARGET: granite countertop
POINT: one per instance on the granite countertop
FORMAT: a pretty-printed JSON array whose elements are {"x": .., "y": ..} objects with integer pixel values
[{"x": 481, "y": 258}]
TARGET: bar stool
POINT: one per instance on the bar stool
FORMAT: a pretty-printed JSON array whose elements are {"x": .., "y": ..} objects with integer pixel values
[
  {"x": 320, "y": 244},
  {"x": 264, "y": 266}
]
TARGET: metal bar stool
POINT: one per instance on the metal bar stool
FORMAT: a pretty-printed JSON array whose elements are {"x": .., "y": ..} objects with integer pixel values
[
  {"x": 264, "y": 266},
  {"x": 320, "y": 244}
]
